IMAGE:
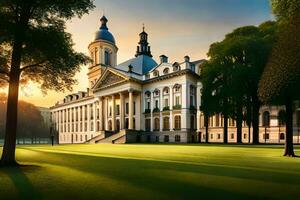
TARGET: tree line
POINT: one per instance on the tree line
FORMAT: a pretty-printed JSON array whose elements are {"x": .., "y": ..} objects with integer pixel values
[
  {"x": 30, "y": 124},
  {"x": 254, "y": 66}
]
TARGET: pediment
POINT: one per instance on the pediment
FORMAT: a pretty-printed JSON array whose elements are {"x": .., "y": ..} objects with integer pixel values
[{"x": 108, "y": 79}]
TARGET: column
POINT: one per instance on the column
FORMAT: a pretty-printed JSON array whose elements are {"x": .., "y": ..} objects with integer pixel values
[
  {"x": 171, "y": 100},
  {"x": 151, "y": 111},
  {"x": 138, "y": 112},
  {"x": 113, "y": 114},
  {"x": 83, "y": 118},
  {"x": 67, "y": 120},
  {"x": 106, "y": 113},
  {"x": 198, "y": 104},
  {"x": 88, "y": 117},
  {"x": 161, "y": 106},
  {"x": 130, "y": 127},
  {"x": 101, "y": 114},
  {"x": 122, "y": 111},
  {"x": 95, "y": 116}
]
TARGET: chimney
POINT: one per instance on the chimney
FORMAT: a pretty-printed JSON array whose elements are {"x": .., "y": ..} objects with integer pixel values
[{"x": 163, "y": 59}]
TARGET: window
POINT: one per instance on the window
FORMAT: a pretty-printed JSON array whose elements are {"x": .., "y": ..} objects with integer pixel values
[
  {"x": 166, "y": 138},
  {"x": 107, "y": 58},
  {"x": 156, "y": 92},
  {"x": 219, "y": 136},
  {"x": 217, "y": 120},
  {"x": 282, "y": 136},
  {"x": 177, "y": 138},
  {"x": 192, "y": 121},
  {"x": 211, "y": 136},
  {"x": 148, "y": 105},
  {"x": 266, "y": 119},
  {"x": 110, "y": 111},
  {"x": 148, "y": 94},
  {"x": 134, "y": 108},
  {"x": 156, "y": 103},
  {"x": 177, "y": 100},
  {"x": 127, "y": 108},
  {"x": 147, "y": 76},
  {"x": 177, "y": 88},
  {"x": 157, "y": 139},
  {"x": 177, "y": 122},
  {"x": 148, "y": 124},
  {"x": 166, "y": 123},
  {"x": 92, "y": 126},
  {"x": 266, "y": 136},
  {"x": 166, "y": 70},
  {"x": 156, "y": 124},
  {"x": 155, "y": 73},
  {"x": 176, "y": 67},
  {"x": 166, "y": 90},
  {"x": 98, "y": 126},
  {"x": 232, "y": 136},
  {"x": 245, "y": 135},
  {"x": 281, "y": 118},
  {"x": 166, "y": 102},
  {"x": 118, "y": 110}
]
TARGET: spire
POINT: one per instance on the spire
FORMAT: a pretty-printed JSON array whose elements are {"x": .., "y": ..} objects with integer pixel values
[
  {"x": 143, "y": 48},
  {"x": 103, "y": 21}
]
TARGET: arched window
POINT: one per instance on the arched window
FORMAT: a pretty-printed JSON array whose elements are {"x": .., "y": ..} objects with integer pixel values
[
  {"x": 107, "y": 57},
  {"x": 177, "y": 122},
  {"x": 266, "y": 119},
  {"x": 282, "y": 136},
  {"x": 176, "y": 67},
  {"x": 166, "y": 90},
  {"x": 177, "y": 88},
  {"x": 281, "y": 118},
  {"x": 117, "y": 125},
  {"x": 147, "y": 94},
  {"x": 177, "y": 138},
  {"x": 156, "y": 124},
  {"x": 155, "y": 73},
  {"x": 166, "y": 70},
  {"x": 98, "y": 126},
  {"x": 166, "y": 123},
  {"x": 156, "y": 92}
]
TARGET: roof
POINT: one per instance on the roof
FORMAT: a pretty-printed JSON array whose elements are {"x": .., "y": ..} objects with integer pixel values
[
  {"x": 103, "y": 33},
  {"x": 140, "y": 65}
]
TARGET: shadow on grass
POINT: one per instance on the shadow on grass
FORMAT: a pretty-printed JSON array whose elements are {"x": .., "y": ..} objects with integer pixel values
[
  {"x": 139, "y": 173},
  {"x": 22, "y": 184}
]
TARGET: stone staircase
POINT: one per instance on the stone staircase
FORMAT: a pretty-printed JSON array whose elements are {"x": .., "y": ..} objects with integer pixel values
[{"x": 114, "y": 138}]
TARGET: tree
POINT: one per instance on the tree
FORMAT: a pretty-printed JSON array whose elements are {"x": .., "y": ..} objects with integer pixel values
[
  {"x": 30, "y": 123},
  {"x": 39, "y": 49},
  {"x": 238, "y": 62},
  {"x": 281, "y": 79}
]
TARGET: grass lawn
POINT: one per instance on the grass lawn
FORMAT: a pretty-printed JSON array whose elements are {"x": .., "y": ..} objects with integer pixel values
[{"x": 146, "y": 171}]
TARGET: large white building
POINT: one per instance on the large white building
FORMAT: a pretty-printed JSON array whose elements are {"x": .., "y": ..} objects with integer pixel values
[{"x": 139, "y": 100}]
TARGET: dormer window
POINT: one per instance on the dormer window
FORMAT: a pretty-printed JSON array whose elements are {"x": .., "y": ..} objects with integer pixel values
[
  {"x": 147, "y": 76},
  {"x": 155, "y": 73},
  {"x": 166, "y": 70},
  {"x": 176, "y": 67}
]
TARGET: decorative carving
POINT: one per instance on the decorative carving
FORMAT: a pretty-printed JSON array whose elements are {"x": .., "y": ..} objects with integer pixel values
[{"x": 109, "y": 80}]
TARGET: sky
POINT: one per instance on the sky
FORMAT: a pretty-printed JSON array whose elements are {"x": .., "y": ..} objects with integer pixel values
[{"x": 176, "y": 28}]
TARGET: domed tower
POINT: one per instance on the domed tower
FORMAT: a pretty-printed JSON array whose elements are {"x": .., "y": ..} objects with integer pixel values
[
  {"x": 143, "y": 48},
  {"x": 103, "y": 51}
]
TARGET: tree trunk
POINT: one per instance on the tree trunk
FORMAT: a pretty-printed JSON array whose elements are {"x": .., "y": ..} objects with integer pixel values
[
  {"x": 225, "y": 129},
  {"x": 255, "y": 119},
  {"x": 8, "y": 154},
  {"x": 206, "y": 118},
  {"x": 289, "y": 147},
  {"x": 239, "y": 124}
]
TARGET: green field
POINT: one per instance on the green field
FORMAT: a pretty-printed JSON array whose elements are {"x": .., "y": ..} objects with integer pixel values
[{"x": 146, "y": 171}]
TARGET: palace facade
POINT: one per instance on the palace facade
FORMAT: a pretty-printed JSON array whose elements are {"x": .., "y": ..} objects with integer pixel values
[{"x": 141, "y": 100}]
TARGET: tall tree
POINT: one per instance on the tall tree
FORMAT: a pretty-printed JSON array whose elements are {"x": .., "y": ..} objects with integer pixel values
[
  {"x": 281, "y": 78},
  {"x": 238, "y": 62},
  {"x": 39, "y": 49}
]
